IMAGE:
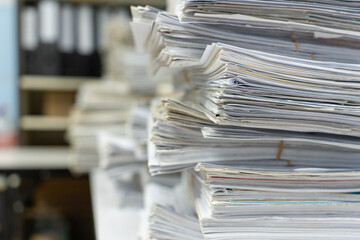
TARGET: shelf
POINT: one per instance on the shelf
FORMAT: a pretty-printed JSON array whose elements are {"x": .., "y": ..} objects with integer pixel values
[
  {"x": 53, "y": 83},
  {"x": 154, "y": 3},
  {"x": 26, "y": 158},
  {"x": 44, "y": 123}
]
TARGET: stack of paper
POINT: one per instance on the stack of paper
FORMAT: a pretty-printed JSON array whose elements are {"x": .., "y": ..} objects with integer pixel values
[
  {"x": 181, "y": 136},
  {"x": 135, "y": 71},
  {"x": 100, "y": 106},
  {"x": 124, "y": 150},
  {"x": 249, "y": 88},
  {"x": 279, "y": 86},
  {"x": 116, "y": 154},
  {"x": 332, "y": 16},
  {"x": 167, "y": 215},
  {"x": 277, "y": 203},
  {"x": 108, "y": 117},
  {"x": 118, "y": 39},
  {"x": 137, "y": 128},
  {"x": 314, "y": 32},
  {"x": 270, "y": 116}
]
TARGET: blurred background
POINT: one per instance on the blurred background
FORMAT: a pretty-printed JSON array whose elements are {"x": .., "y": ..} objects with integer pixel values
[{"x": 52, "y": 54}]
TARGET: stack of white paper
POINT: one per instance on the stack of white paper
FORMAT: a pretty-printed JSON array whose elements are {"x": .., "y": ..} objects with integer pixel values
[
  {"x": 253, "y": 89},
  {"x": 100, "y": 106},
  {"x": 178, "y": 41},
  {"x": 124, "y": 151},
  {"x": 167, "y": 215},
  {"x": 291, "y": 92},
  {"x": 181, "y": 136},
  {"x": 331, "y": 16},
  {"x": 116, "y": 154},
  {"x": 270, "y": 117},
  {"x": 106, "y": 121},
  {"x": 277, "y": 203}
]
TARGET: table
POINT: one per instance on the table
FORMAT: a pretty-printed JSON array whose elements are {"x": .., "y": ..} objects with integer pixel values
[{"x": 111, "y": 221}]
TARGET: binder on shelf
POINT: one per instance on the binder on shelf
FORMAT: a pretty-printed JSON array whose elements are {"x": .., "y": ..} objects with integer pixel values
[
  {"x": 30, "y": 38},
  {"x": 67, "y": 40},
  {"x": 62, "y": 38},
  {"x": 48, "y": 52}
]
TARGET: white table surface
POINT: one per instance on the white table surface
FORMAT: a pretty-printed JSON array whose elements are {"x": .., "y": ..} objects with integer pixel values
[{"x": 111, "y": 221}]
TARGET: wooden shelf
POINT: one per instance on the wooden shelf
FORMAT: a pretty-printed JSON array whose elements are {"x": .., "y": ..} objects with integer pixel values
[
  {"x": 53, "y": 83},
  {"x": 34, "y": 158},
  {"x": 44, "y": 123},
  {"x": 154, "y": 3}
]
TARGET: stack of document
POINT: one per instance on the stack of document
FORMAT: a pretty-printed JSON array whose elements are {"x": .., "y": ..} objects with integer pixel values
[
  {"x": 249, "y": 103},
  {"x": 277, "y": 203},
  {"x": 135, "y": 71},
  {"x": 337, "y": 16},
  {"x": 109, "y": 115},
  {"x": 118, "y": 39},
  {"x": 124, "y": 151},
  {"x": 181, "y": 135},
  {"x": 270, "y": 118},
  {"x": 248, "y": 88},
  {"x": 137, "y": 128},
  {"x": 100, "y": 106},
  {"x": 166, "y": 214},
  {"x": 314, "y": 32},
  {"x": 116, "y": 154}
]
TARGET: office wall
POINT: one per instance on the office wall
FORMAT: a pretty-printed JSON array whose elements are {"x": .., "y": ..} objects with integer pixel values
[{"x": 9, "y": 59}]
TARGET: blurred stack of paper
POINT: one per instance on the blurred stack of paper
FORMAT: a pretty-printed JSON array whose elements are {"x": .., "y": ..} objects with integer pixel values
[
  {"x": 125, "y": 151},
  {"x": 167, "y": 214},
  {"x": 137, "y": 128},
  {"x": 116, "y": 153},
  {"x": 108, "y": 111},
  {"x": 175, "y": 42},
  {"x": 127, "y": 63},
  {"x": 129, "y": 186},
  {"x": 277, "y": 202},
  {"x": 119, "y": 39},
  {"x": 135, "y": 72},
  {"x": 141, "y": 25},
  {"x": 100, "y": 106}
]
